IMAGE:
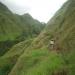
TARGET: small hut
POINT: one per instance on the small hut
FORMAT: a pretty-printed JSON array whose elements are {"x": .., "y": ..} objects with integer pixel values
[{"x": 51, "y": 44}]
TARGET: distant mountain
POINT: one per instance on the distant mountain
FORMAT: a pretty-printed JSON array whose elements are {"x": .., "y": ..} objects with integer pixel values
[
  {"x": 4, "y": 8},
  {"x": 15, "y": 28}
]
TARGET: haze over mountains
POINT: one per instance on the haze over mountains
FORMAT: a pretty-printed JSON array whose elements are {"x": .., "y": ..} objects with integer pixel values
[
  {"x": 33, "y": 56},
  {"x": 14, "y": 28},
  {"x": 46, "y": 8}
]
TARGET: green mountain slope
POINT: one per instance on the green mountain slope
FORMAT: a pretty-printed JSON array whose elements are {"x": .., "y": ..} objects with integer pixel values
[
  {"x": 15, "y": 28},
  {"x": 10, "y": 58},
  {"x": 39, "y": 59}
]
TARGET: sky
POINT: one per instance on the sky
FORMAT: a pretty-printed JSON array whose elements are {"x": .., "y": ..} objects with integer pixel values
[{"x": 41, "y": 10}]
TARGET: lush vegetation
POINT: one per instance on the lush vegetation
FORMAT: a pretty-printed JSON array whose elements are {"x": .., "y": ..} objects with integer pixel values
[
  {"x": 34, "y": 56},
  {"x": 9, "y": 59},
  {"x": 16, "y": 28},
  {"x": 38, "y": 62}
]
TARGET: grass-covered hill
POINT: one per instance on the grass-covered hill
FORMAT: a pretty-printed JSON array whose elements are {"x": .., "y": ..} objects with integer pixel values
[
  {"x": 9, "y": 59},
  {"x": 15, "y": 28},
  {"x": 39, "y": 59}
]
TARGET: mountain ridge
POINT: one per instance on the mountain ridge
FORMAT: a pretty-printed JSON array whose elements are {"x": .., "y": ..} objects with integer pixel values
[{"x": 15, "y": 28}]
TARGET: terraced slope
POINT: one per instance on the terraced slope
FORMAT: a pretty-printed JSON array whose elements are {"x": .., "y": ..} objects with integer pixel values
[
  {"x": 39, "y": 59},
  {"x": 10, "y": 58}
]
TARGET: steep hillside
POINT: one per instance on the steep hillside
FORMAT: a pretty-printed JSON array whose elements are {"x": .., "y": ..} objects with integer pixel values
[
  {"x": 15, "y": 28},
  {"x": 60, "y": 28},
  {"x": 10, "y": 58},
  {"x": 39, "y": 59}
]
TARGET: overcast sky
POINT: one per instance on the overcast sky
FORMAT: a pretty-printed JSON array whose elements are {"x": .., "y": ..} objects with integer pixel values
[{"x": 41, "y": 10}]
